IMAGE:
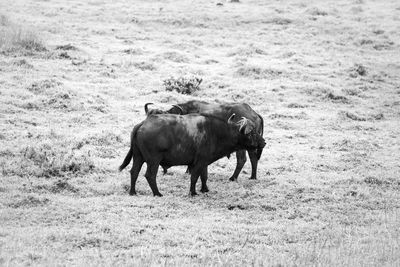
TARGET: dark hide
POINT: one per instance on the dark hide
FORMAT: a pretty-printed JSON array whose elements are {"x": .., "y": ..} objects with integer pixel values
[
  {"x": 191, "y": 140},
  {"x": 223, "y": 111},
  {"x": 152, "y": 111}
]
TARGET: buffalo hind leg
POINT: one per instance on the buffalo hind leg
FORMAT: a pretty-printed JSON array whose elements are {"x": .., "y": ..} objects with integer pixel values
[
  {"x": 195, "y": 172},
  {"x": 151, "y": 175},
  {"x": 241, "y": 160},
  {"x": 203, "y": 177},
  {"x": 254, "y": 163},
  {"x": 137, "y": 165}
]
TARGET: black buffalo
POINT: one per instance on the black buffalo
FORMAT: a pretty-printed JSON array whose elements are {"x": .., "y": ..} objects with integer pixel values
[
  {"x": 223, "y": 111},
  {"x": 171, "y": 140}
]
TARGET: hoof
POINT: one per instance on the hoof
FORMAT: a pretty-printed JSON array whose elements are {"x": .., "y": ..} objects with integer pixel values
[
  {"x": 253, "y": 178},
  {"x": 192, "y": 194},
  {"x": 158, "y": 194},
  {"x": 204, "y": 190},
  {"x": 132, "y": 193},
  {"x": 233, "y": 179}
]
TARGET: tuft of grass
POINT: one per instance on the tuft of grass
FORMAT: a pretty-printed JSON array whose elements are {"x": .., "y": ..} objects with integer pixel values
[
  {"x": 49, "y": 160},
  {"x": 256, "y": 72},
  {"x": 279, "y": 21},
  {"x": 29, "y": 202},
  {"x": 248, "y": 51},
  {"x": 175, "y": 57},
  {"x": 356, "y": 117},
  {"x": 371, "y": 180},
  {"x": 18, "y": 39},
  {"x": 22, "y": 63},
  {"x": 300, "y": 116},
  {"x": 296, "y": 105},
  {"x": 317, "y": 12},
  {"x": 337, "y": 98},
  {"x": 4, "y": 21},
  {"x": 62, "y": 185},
  {"x": 144, "y": 66},
  {"x": 351, "y": 116},
  {"x": 43, "y": 86},
  {"x": 134, "y": 51},
  {"x": 67, "y": 47},
  {"x": 183, "y": 85},
  {"x": 353, "y": 92},
  {"x": 358, "y": 70},
  {"x": 104, "y": 139}
]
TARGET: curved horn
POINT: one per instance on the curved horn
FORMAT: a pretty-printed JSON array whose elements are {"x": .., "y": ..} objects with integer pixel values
[
  {"x": 178, "y": 107},
  {"x": 146, "y": 108},
  {"x": 231, "y": 117},
  {"x": 242, "y": 123}
]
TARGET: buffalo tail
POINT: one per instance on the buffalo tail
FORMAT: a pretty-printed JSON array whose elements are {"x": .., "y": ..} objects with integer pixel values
[
  {"x": 129, "y": 156},
  {"x": 127, "y": 159},
  {"x": 261, "y": 132}
]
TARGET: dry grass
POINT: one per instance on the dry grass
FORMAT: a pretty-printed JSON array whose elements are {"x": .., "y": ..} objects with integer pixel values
[
  {"x": 324, "y": 75},
  {"x": 18, "y": 39}
]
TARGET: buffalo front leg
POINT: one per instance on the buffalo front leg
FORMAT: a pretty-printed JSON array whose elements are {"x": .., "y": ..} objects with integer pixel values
[
  {"x": 254, "y": 162},
  {"x": 151, "y": 175},
  {"x": 137, "y": 165},
  {"x": 241, "y": 160},
  {"x": 204, "y": 177}
]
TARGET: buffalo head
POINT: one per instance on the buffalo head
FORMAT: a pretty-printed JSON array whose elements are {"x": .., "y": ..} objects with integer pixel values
[{"x": 250, "y": 138}]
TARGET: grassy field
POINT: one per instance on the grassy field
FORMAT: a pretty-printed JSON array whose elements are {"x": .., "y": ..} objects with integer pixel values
[{"x": 325, "y": 75}]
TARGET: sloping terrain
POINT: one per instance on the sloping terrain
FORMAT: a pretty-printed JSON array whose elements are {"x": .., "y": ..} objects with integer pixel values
[{"x": 325, "y": 75}]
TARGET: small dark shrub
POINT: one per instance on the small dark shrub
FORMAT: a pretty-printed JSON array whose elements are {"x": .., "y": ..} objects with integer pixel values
[
  {"x": 66, "y": 47},
  {"x": 64, "y": 55},
  {"x": 358, "y": 70},
  {"x": 183, "y": 85},
  {"x": 337, "y": 98},
  {"x": 378, "y": 116}
]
